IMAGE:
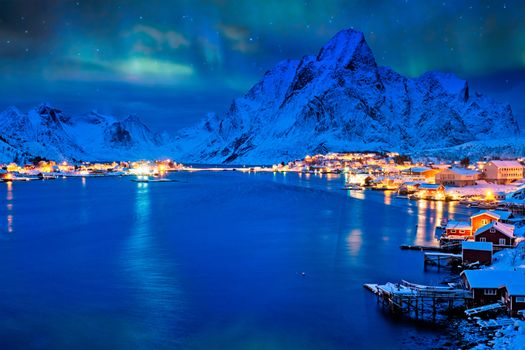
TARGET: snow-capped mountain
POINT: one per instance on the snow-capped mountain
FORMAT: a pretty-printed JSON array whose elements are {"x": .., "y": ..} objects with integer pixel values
[
  {"x": 49, "y": 133},
  {"x": 338, "y": 100},
  {"x": 341, "y": 100}
]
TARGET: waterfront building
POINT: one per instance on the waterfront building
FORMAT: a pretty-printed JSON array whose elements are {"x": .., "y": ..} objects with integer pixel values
[
  {"x": 487, "y": 285},
  {"x": 483, "y": 218},
  {"x": 513, "y": 296},
  {"x": 458, "y": 229},
  {"x": 503, "y": 171},
  {"x": 501, "y": 235},
  {"x": 473, "y": 252},
  {"x": 431, "y": 191},
  {"x": 457, "y": 177}
]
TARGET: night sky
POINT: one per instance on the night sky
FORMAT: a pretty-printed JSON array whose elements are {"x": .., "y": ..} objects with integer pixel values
[{"x": 171, "y": 62}]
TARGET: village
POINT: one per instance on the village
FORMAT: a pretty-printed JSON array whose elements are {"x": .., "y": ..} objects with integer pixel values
[
  {"x": 50, "y": 170},
  {"x": 489, "y": 184},
  {"x": 485, "y": 252}
]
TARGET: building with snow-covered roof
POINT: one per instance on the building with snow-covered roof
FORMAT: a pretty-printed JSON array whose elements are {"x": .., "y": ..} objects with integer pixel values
[
  {"x": 513, "y": 295},
  {"x": 487, "y": 285},
  {"x": 503, "y": 171},
  {"x": 458, "y": 228},
  {"x": 425, "y": 172},
  {"x": 431, "y": 191},
  {"x": 457, "y": 177},
  {"x": 480, "y": 252},
  {"x": 501, "y": 235},
  {"x": 485, "y": 217}
]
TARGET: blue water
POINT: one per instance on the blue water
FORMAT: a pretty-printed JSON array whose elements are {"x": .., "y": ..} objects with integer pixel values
[{"x": 212, "y": 262}]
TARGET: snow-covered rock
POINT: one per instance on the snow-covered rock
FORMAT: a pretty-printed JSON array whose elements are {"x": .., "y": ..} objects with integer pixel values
[
  {"x": 511, "y": 259},
  {"x": 341, "y": 100},
  {"x": 49, "y": 133}
]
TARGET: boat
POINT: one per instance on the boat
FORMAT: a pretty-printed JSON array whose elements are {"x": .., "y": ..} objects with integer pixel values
[
  {"x": 354, "y": 187},
  {"x": 148, "y": 180},
  {"x": 47, "y": 177}
]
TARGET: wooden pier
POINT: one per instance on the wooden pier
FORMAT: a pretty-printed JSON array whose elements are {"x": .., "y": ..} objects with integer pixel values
[
  {"x": 418, "y": 300},
  {"x": 445, "y": 246},
  {"x": 421, "y": 248},
  {"x": 449, "y": 244}
]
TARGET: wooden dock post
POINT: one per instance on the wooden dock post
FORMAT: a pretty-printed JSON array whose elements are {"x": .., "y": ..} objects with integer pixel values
[{"x": 434, "y": 309}]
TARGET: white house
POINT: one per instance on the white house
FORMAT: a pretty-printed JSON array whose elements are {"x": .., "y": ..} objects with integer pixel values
[{"x": 457, "y": 177}]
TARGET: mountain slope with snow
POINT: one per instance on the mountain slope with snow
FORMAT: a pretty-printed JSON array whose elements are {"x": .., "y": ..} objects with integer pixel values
[
  {"x": 49, "y": 133},
  {"x": 341, "y": 100}
]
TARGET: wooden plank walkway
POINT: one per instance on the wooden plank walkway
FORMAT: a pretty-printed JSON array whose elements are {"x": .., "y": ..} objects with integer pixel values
[{"x": 484, "y": 308}]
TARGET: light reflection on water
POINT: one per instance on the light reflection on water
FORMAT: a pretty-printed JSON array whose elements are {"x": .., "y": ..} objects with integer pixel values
[
  {"x": 354, "y": 241},
  {"x": 452, "y": 208},
  {"x": 388, "y": 197},
  {"x": 421, "y": 231},
  {"x": 430, "y": 215},
  {"x": 357, "y": 194},
  {"x": 9, "y": 206},
  {"x": 152, "y": 285}
]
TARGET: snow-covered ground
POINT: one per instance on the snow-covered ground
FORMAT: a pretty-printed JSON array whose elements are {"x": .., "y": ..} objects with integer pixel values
[
  {"x": 510, "y": 259},
  {"x": 511, "y": 337}
]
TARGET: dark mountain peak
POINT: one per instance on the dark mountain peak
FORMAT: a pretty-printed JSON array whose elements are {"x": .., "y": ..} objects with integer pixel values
[
  {"x": 47, "y": 108},
  {"x": 348, "y": 49},
  {"x": 117, "y": 134}
]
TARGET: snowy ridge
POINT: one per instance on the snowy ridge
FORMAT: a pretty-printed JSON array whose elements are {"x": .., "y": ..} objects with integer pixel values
[
  {"x": 49, "y": 133},
  {"x": 340, "y": 100},
  {"x": 504, "y": 148}
]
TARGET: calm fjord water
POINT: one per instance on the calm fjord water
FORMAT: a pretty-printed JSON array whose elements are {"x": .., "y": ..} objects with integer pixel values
[{"x": 213, "y": 262}]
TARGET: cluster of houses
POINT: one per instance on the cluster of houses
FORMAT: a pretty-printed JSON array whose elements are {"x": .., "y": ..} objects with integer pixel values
[
  {"x": 487, "y": 226},
  {"x": 496, "y": 172},
  {"x": 50, "y": 169},
  {"x": 391, "y": 171},
  {"x": 487, "y": 232},
  {"x": 500, "y": 172},
  {"x": 366, "y": 163}
]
